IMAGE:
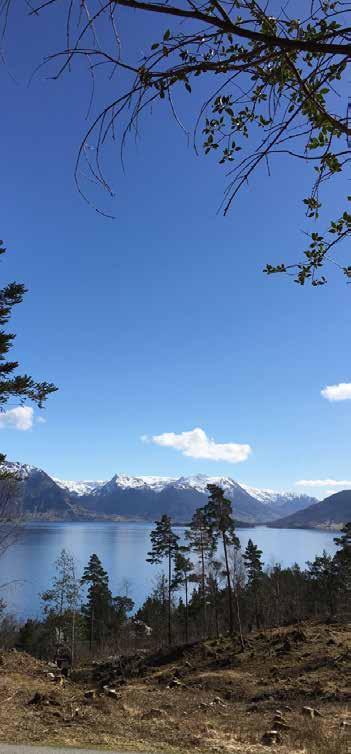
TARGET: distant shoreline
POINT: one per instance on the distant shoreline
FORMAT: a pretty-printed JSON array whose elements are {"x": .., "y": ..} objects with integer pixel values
[
  {"x": 113, "y": 519},
  {"x": 141, "y": 520}
]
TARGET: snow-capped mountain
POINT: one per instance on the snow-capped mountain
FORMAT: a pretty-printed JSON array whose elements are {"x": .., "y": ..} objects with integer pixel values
[
  {"x": 150, "y": 496},
  {"x": 19, "y": 470},
  {"x": 125, "y": 482},
  {"x": 199, "y": 483},
  {"x": 145, "y": 497},
  {"x": 36, "y": 495},
  {"x": 271, "y": 496},
  {"x": 78, "y": 488}
]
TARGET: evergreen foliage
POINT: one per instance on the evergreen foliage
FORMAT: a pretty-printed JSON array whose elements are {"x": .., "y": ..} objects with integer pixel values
[
  {"x": 202, "y": 544},
  {"x": 61, "y": 600},
  {"x": 19, "y": 387},
  {"x": 254, "y": 567},
  {"x": 343, "y": 560},
  {"x": 253, "y": 594},
  {"x": 221, "y": 526},
  {"x": 97, "y": 611},
  {"x": 164, "y": 545},
  {"x": 325, "y": 573},
  {"x": 183, "y": 571}
]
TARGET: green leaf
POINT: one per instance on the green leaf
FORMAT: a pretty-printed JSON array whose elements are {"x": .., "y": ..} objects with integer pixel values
[{"x": 166, "y": 35}]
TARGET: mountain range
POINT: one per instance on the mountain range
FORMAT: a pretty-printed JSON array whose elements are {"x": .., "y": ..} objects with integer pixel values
[
  {"x": 330, "y": 513},
  {"x": 40, "y": 496}
]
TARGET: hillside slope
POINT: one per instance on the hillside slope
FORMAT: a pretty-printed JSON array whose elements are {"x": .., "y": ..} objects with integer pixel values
[
  {"x": 37, "y": 496},
  {"x": 332, "y": 512},
  {"x": 208, "y": 697}
]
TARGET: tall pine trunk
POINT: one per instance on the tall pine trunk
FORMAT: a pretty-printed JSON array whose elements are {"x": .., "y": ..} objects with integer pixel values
[
  {"x": 257, "y": 610},
  {"x": 91, "y": 628},
  {"x": 169, "y": 597},
  {"x": 229, "y": 587},
  {"x": 203, "y": 589},
  {"x": 238, "y": 616},
  {"x": 73, "y": 650},
  {"x": 216, "y": 609}
]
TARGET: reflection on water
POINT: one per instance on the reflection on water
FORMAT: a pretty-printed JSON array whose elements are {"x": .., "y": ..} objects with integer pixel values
[{"x": 123, "y": 547}]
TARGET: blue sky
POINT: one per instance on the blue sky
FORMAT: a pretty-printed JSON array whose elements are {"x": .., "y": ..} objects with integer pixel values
[{"x": 161, "y": 321}]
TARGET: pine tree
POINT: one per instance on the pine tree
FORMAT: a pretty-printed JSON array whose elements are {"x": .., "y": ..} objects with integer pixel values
[
  {"x": 276, "y": 591},
  {"x": 323, "y": 572},
  {"x": 61, "y": 600},
  {"x": 343, "y": 560},
  {"x": 213, "y": 589},
  {"x": 97, "y": 610},
  {"x": 344, "y": 542},
  {"x": 17, "y": 388},
  {"x": 238, "y": 577},
  {"x": 121, "y": 605},
  {"x": 221, "y": 526},
  {"x": 34, "y": 638},
  {"x": 254, "y": 569},
  {"x": 183, "y": 569},
  {"x": 164, "y": 545},
  {"x": 12, "y": 385},
  {"x": 154, "y": 611},
  {"x": 202, "y": 544}
]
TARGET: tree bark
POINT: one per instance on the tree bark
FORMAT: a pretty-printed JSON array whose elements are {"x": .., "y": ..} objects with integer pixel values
[
  {"x": 229, "y": 586},
  {"x": 242, "y": 643},
  {"x": 73, "y": 649},
  {"x": 203, "y": 588},
  {"x": 186, "y": 612},
  {"x": 91, "y": 629},
  {"x": 169, "y": 597}
]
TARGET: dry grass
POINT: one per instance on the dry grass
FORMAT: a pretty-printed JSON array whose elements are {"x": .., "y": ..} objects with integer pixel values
[
  {"x": 226, "y": 701},
  {"x": 323, "y": 738}
]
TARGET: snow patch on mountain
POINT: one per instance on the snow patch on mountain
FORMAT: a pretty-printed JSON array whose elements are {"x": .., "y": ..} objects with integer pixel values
[
  {"x": 199, "y": 483},
  {"x": 78, "y": 488},
  {"x": 263, "y": 495},
  {"x": 271, "y": 496},
  {"x": 20, "y": 470},
  {"x": 155, "y": 483}
]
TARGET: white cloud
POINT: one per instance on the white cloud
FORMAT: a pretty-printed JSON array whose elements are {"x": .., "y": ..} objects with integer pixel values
[
  {"x": 345, "y": 483},
  {"x": 40, "y": 420},
  {"x": 20, "y": 417},
  {"x": 341, "y": 392},
  {"x": 196, "y": 444}
]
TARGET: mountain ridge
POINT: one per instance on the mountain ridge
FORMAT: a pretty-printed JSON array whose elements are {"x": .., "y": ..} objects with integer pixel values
[
  {"x": 332, "y": 512},
  {"x": 144, "y": 497}
]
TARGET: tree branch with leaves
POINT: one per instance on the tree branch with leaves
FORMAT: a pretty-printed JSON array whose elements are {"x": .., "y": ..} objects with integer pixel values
[{"x": 275, "y": 88}]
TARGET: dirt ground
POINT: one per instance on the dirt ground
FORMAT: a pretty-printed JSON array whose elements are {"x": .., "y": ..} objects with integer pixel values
[{"x": 210, "y": 697}]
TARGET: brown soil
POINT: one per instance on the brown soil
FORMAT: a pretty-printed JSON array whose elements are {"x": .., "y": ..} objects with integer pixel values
[{"x": 209, "y": 696}]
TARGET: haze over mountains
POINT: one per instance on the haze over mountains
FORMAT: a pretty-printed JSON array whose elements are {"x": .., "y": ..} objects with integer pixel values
[{"x": 146, "y": 497}]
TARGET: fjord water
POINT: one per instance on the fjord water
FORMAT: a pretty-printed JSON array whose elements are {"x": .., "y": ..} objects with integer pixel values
[{"x": 122, "y": 548}]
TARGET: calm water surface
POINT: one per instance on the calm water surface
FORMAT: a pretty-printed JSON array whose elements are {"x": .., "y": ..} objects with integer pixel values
[{"x": 122, "y": 548}]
